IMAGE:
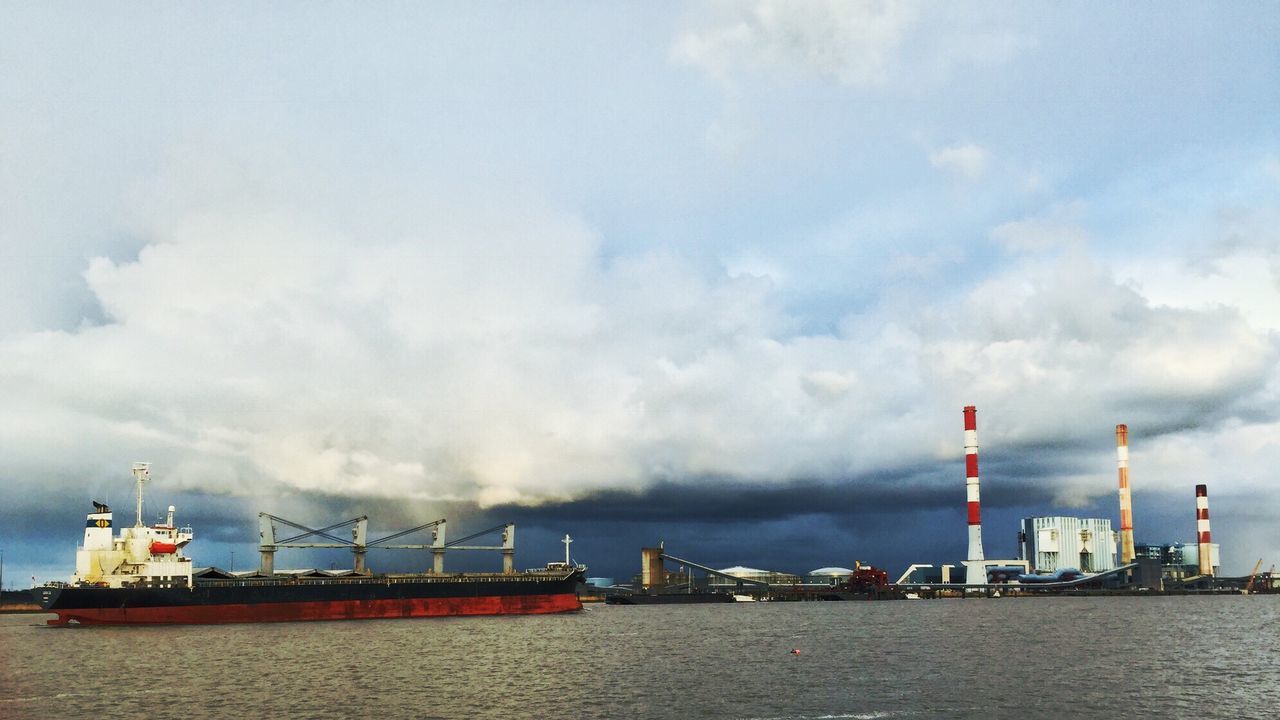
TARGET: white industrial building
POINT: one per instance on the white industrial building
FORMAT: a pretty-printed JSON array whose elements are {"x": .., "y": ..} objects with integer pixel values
[
  {"x": 828, "y": 576},
  {"x": 772, "y": 577},
  {"x": 1050, "y": 544}
]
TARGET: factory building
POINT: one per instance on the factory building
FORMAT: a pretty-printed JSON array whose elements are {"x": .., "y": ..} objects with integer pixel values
[
  {"x": 1179, "y": 561},
  {"x": 1050, "y": 544}
]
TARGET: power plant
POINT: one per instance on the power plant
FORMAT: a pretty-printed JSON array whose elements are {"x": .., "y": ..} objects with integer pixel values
[
  {"x": 1057, "y": 554},
  {"x": 1069, "y": 554}
]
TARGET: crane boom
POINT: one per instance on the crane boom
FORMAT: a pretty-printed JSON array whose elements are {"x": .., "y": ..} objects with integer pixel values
[{"x": 1253, "y": 576}]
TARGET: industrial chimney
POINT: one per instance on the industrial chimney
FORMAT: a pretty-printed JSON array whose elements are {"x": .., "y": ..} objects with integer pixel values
[
  {"x": 1202, "y": 529},
  {"x": 975, "y": 572},
  {"x": 1126, "y": 500}
]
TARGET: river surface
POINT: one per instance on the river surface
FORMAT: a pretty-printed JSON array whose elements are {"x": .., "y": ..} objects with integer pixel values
[{"x": 1181, "y": 657}]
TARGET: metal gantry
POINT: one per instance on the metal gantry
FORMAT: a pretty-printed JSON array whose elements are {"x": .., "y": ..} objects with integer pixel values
[
  {"x": 507, "y": 548},
  {"x": 360, "y": 544}
]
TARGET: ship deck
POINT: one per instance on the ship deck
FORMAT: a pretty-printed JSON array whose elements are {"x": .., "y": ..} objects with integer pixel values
[{"x": 383, "y": 579}]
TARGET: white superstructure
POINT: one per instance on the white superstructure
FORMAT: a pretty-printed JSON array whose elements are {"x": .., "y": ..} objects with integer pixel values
[{"x": 149, "y": 555}]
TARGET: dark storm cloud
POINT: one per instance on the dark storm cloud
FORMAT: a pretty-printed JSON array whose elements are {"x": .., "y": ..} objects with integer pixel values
[
  {"x": 43, "y": 522},
  {"x": 1173, "y": 413},
  {"x": 729, "y": 501}
]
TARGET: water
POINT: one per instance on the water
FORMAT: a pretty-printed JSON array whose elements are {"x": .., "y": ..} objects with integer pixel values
[{"x": 1038, "y": 658}]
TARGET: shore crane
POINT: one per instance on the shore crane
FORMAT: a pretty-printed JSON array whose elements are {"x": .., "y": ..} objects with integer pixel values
[{"x": 1248, "y": 588}]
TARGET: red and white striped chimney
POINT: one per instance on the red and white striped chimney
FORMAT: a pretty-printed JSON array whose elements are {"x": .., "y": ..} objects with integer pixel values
[
  {"x": 1126, "y": 501},
  {"x": 1202, "y": 529},
  {"x": 975, "y": 572}
]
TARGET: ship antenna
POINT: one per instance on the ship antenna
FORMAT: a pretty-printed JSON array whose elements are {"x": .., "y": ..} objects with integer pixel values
[{"x": 141, "y": 471}]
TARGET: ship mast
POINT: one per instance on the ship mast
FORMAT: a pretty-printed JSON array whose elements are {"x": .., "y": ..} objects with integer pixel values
[
  {"x": 141, "y": 471},
  {"x": 566, "y": 542}
]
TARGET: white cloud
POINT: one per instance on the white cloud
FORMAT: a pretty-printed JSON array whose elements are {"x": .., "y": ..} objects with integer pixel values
[
  {"x": 858, "y": 44},
  {"x": 850, "y": 42},
  {"x": 1060, "y": 347},
  {"x": 491, "y": 356},
  {"x": 750, "y": 263},
  {"x": 1245, "y": 280},
  {"x": 1056, "y": 230},
  {"x": 825, "y": 384},
  {"x": 912, "y": 265},
  {"x": 965, "y": 161},
  {"x": 1237, "y": 267}
]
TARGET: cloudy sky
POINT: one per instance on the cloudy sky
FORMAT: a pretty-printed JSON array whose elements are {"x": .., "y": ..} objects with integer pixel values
[{"x": 721, "y": 274}]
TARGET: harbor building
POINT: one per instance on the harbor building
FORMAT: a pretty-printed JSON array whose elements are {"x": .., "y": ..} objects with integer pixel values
[
  {"x": 830, "y": 576},
  {"x": 1050, "y": 544},
  {"x": 772, "y": 577}
]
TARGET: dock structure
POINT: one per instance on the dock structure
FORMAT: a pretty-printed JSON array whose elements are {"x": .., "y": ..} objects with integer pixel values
[
  {"x": 988, "y": 588},
  {"x": 865, "y": 583},
  {"x": 653, "y": 571},
  {"x": 739, "y": 581}
]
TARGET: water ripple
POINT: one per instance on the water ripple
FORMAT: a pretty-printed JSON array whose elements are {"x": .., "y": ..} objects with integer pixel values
[{"x": 1035, "y": 658}]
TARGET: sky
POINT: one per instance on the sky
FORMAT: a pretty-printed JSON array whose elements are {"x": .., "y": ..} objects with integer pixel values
[{"x": 717, "y": 274}]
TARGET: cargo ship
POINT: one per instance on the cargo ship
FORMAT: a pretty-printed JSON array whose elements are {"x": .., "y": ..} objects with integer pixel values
[{"x": 143, "y": 577}]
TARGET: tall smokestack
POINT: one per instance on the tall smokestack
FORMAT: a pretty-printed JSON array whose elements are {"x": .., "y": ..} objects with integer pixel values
[
  {"x": 1126, "y": 500},
  {"x": 1202, "y": 529},
  {"x": 975, "y": 573}
]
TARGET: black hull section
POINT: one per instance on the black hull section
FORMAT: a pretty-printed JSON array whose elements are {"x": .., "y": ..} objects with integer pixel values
[
  {"x": 253, "y": 592},
  {"x": 670, "y": 599}
]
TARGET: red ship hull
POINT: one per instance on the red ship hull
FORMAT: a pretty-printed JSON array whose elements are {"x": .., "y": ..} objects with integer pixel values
[
  {"x": 322, "y": 610},
  {"x": 289, "y": 599}
]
